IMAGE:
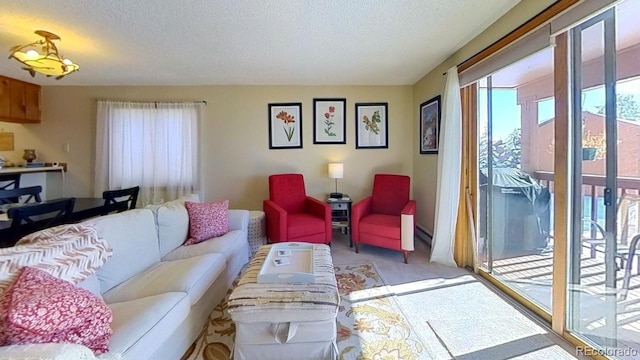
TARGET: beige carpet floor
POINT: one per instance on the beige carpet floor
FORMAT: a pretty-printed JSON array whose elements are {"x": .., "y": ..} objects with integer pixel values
[
  {"x": 369, "y": 321},
  {"x": 441, "y": 313}
]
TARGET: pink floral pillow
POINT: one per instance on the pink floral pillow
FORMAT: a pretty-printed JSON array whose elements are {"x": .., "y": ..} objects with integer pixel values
[
  {"x": 40, "y": 308},
  {"x": 207, "y": 220}
]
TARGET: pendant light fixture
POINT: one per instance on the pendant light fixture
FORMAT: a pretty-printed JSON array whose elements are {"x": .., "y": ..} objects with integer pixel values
[{"x": 42, "y": 56}]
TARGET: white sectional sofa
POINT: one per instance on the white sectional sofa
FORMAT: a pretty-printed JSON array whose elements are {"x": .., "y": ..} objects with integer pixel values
[{"x": 160, "y": 291}]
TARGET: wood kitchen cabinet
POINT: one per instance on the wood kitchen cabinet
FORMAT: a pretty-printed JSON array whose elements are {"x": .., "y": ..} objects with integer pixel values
[
  {"x": 19, "y": 101},
  {"x": 5, "y": 97}
]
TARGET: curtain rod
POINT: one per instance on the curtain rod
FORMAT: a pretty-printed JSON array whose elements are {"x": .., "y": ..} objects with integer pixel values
[
  {"x": 539, "y": 19},
  {"x": 165, "y": 102}
]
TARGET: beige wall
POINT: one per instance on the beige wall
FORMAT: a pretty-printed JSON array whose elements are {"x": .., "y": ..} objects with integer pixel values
[
  {"x": 237, "y": 159},
  {"x": 432, "y": 84}
]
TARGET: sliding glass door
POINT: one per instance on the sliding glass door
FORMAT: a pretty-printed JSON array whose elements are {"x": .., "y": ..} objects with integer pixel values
[
  {"x": 515, "y": 163},
  {"x": 556, "y": 168},
  {"x": 603, "y": 308}
]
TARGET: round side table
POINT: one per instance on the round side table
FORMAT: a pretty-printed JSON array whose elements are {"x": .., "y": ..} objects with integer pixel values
[{"x": 257, "y": 230}]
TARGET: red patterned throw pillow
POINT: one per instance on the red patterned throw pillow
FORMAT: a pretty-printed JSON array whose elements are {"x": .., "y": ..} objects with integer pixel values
[
  {"x": 40, "y": 308},
  {"x": 207, "y": 220}
]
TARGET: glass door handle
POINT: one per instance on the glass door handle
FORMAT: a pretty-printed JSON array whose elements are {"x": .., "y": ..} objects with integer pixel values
[{"x": 607, "y": 197}]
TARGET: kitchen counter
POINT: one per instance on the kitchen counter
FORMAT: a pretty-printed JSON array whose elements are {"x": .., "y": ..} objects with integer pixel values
[
  {"x": 26, "y": 170},
  {"x": 51, "y": 178}
]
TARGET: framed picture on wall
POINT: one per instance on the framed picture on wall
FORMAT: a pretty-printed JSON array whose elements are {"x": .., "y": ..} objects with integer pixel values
[
  {"x": 329, "y": 120},
  {"x": 372, "y": 126},
  {"x": 285, "y": 126},
  {"x": 430, "y": 125}
]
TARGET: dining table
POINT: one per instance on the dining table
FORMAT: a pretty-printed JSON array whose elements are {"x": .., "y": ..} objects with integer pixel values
[
  {"x": 83, "y": 208},
  {"x": 86, "y": 207}
]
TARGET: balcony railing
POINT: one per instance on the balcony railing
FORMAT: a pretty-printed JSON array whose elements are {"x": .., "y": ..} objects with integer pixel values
[{"x": 593, "y": 188}]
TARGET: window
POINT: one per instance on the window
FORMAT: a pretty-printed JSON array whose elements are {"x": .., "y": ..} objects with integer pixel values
[
  {"x": 151, "y": 145},
  {"x": 546, "y": 110}
]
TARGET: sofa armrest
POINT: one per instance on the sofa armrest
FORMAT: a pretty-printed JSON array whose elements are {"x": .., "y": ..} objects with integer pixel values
[
  {"x": 238, "y": 219},
  {"x": 322, "y": 210},
  {"x": 318, "y": 208},
  {"x": 409, "y": 208},
  {"x": 51, "y": 351},
  {"x": 408, "y": 226},
  {"x": 276, "y": 219},
  {"x": 358, "y": 211}
]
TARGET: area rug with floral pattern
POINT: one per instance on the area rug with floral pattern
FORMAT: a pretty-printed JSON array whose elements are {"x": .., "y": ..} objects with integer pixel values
[{"x": 371, "y": 325}]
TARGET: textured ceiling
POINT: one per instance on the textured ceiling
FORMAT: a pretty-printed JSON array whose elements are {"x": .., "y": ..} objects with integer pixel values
[{"x": 279, "y": 42}]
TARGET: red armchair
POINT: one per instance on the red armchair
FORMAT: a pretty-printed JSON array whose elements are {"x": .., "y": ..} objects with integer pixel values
[
  {"x": 386, "y": 218},
  {"x": 292, "y": 215}
]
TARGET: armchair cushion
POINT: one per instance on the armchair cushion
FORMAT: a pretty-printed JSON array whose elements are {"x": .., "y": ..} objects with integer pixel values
[
  {"x": 381, "y": 225},
  {"x": 390, "y": 194},
  {"x": 300, "y": 225},
  {"x": 287, "y": 190}
]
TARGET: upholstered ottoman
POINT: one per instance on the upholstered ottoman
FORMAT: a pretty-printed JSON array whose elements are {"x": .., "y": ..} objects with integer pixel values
[{"x": 286, "y": 320}]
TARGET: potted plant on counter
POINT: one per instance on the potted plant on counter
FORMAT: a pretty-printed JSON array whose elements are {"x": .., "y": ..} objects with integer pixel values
[{"x": 593, "y": 146}]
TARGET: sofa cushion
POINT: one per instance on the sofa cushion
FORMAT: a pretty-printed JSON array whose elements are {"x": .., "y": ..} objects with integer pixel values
[
  {"x": 207, "y": 220},
  {"x": 53, "y": 351},
  {"x": 39, "y": 308},
  {"x": 68, "y": 252},
  {"x": 173, "y": 222},
  {"x": 92, "y": 284},
  {"x": 143, "y": 324},
  {"x": 133, "y": 237},
  {"x": 193, "y": 276},
  {"x": 226, "y": 244}
]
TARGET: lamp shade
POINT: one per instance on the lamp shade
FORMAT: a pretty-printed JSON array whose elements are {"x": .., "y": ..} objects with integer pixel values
[{"x": 336, "y": 170}]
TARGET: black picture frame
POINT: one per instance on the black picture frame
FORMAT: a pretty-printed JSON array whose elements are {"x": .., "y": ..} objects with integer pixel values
[
  {"x": 285, "y": 126},
  {"x": 329, "y": 121},
  {"x": 430, "y": 114},
  {"x": 372, "y": 125}
]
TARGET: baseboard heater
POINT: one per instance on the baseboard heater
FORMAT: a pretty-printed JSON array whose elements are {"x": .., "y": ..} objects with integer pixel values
[{"x": 423, "y": 234}]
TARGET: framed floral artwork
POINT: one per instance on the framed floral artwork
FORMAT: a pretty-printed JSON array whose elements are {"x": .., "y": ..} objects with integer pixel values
[
  {"x": 285, "y": 126},
  {"x": 372, "y": 126},
  {"x": 329, "y": 120},
  {"x": 430, "y": 125}
]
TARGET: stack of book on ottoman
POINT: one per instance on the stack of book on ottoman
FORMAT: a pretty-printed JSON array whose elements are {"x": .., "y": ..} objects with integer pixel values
[{"x": 285, "y": 305}]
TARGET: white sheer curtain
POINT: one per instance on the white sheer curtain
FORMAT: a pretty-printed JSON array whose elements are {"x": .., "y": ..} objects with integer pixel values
[
  {"x": 148, "y": 144},
  {"x": 449, "y": 167}
]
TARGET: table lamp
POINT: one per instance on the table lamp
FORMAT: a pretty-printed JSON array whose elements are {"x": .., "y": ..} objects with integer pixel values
[{"x": 336, "y": 171}]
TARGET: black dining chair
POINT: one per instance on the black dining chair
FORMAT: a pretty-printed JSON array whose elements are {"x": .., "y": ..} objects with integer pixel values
[
  {"x": 120, "y": 200},
  {"x": 34, "y": 217},
  {"x": 21, "y": 195},
  {"x": 10, "y": 181}
]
